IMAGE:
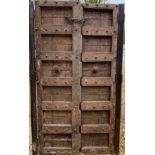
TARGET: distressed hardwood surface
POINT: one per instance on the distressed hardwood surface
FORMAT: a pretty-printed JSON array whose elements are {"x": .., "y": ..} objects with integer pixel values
[{"x": 76, "y": 47}]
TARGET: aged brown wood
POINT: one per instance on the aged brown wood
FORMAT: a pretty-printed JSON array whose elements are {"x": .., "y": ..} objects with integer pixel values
[
  {"x": 59, "y": 76},
  {"x": 96, "y": 150},
  {"x": 99, "y": 45},
  {"x": 32, "y": 79},
  {"x": 56, "y": 30},
  {"x": 76, "y": 46},
  {"x": 99, "y": 6},
  {"x": 38, "y": 69},
  {"x": 95, "y": 105},
  {"x": 87, "y": 129},
  {"x": 96, "y": 81},
  {"x": 119, "y": 76},
  {"x": 91, "y": 31},
  {"x": 54, "y": 81},
  {"x": 57, "y": 105},
  {"x": 77, "y": 69},
  {"x": 57, "y": 129},
  {"x": 96, "y": 57},
  {"x": 66, "y": 56}
]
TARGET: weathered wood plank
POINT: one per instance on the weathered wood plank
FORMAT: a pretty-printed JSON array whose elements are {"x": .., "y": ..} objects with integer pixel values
[
  {"x": 99, "y": 6},
  {"x": 62, "y": 89},
  {"x": 113, "y": 75},
  {"x": 56, "y": 29},
  {"x": 57, "y": 150},
  {"x": 57, "y": 129},
  {"x": 85, "y": 129},
  {"x": 96, "y": 149},
  {"x": 119, "y": 76},
  {"x": 57, "y": 105},
  {"x": 97, "y": 81},
  {"x": 96, "y": 56},
  {"x": 95, "y": 105},
  {"x": 57, "y": 81},
  {"x": 95, "y": 31},
  {"x": 32, "y": 78},
  {"x": 38, "y": 69},
  {"x": 48, "y": 3},
  {"x": 57, "y": 56},
  {"x": 77, "y": 71}
]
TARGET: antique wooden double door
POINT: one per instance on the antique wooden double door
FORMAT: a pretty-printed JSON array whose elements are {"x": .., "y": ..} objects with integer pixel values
[{"x": 76, "y": 49}]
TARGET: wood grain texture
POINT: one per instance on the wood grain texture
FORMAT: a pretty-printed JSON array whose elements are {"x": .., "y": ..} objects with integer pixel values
[
  {"x": 57, "y": 129},
  {"x": 85, "y": 129},
  {"x": 96, "y": 81},
  {"x": 32, "y": 74},
  {"x": 91, "y": 31},
  {"x": 76, "y": 49},
  {"x": 77, "y": 69},
  {"x": 54, "y": 81},
  {"x": 38, "y": 69},
  {"x": 96, "y": 57},
  {"x": 119, "y": 75},
  {"x": 95, "y": 105}
]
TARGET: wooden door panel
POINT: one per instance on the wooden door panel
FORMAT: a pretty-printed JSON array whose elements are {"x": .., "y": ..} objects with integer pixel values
[
  {"x": 98, "y": 80},
  {"x": 76, "y": 70},
  {"x": 58, "y": 67},
  {"x": 96, "y": 69},
  {"x": 98, "y": 17},
  {"x": 97, "y": 43}
]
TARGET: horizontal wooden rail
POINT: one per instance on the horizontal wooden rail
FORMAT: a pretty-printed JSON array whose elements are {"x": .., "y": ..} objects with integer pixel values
[
  {"x": 95, "y": 105},
  {"x": 96, "y": 149},
  {"x": 96, "y": 81},
  {"x": 57, "y": 129},
  {"x": 85, "y": 129},
  {"x": 56, "y": 29},
  {"x": 57, "y": 81},
  {"x": 95, "y": 31},
  {"x": 55, "y": 3},
  {"x": 57, "y": 105},
  {"x": 57, "y": 150},
  {"x": 54, "y": 55},
  {"x": 97, "y": 56},
  {"x": 100, "y": 6}
]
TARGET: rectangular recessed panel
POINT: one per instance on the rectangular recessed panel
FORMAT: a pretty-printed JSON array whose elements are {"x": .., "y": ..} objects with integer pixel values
[
  {"x": 96, "y": 69},
  {"x": 95, "y": 117},
  {"x": 61, "y": 140},
  {"x": 56, "y": 69},
  {"x": 56, "y": 43},
  {"x": 57, "y": 117},
  {"x": 95, "y": 139},
  {"x": 55, "y": 16},
  {"x": 97, "y": 44},
  {"x": 96, "y": 93},
  {"x": 52, "y": 93},
  {"x": 99, "y": 18}
]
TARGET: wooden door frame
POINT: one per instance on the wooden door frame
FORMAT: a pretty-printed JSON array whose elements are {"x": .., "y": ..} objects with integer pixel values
[
  {"x": 33, "y": 80},
  {"x": 119, "y": 60},
  {"x": 32, "y": 74}
]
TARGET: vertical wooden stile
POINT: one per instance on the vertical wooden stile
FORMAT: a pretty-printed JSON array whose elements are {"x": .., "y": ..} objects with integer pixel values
[
  {"x": 76, "y": 88},
  {"x": 113, "y": 75},
  {"x": 32, "y": 79},
  {"x": 120, "y": 20},
  {"x": 38, "y": 69}
]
